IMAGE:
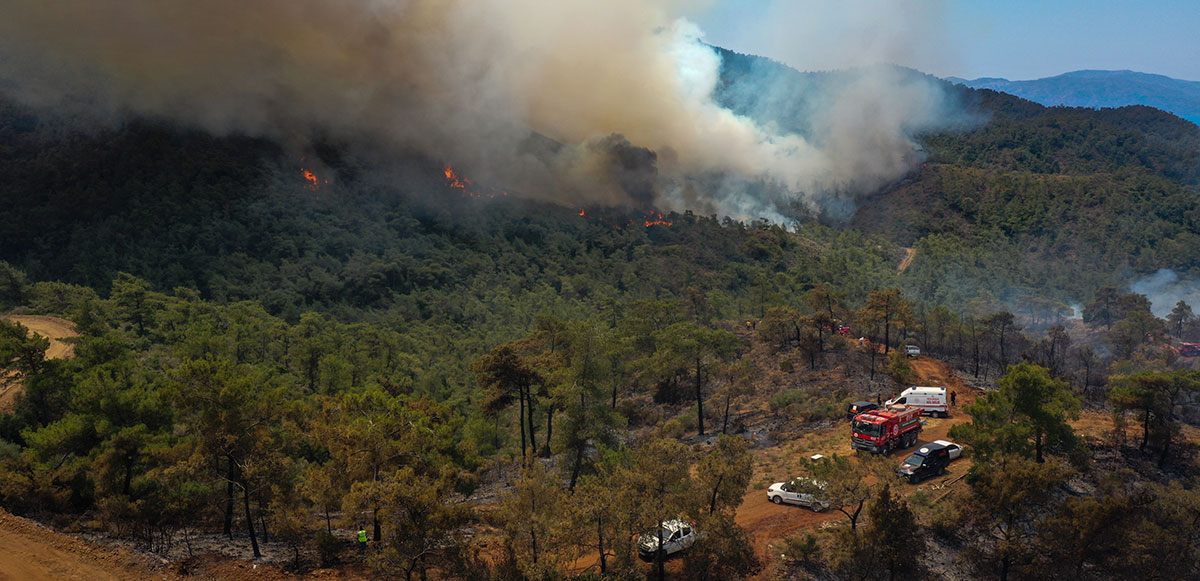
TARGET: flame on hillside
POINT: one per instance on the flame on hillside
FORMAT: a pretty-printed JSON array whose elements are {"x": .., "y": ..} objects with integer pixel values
[
  {"x": 313, "y": 183},
  {"x": 453, "y": 180},
  {"x": 655, "y": 219},
  {"x": 469, "y": 189},
  {"x": 652, "y": 218}
]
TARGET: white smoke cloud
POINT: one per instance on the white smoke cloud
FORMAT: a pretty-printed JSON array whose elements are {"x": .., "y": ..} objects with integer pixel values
[
  {"x": 1165, "y": 289},
  {"x": 467, "y": 82},
  {"x": 815, "y": 35}
]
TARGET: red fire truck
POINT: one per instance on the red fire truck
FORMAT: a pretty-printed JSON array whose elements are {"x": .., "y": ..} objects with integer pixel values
[{"x": 881, "y": 431}]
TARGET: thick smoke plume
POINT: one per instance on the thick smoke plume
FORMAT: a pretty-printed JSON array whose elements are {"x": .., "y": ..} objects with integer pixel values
[
  {"x": 1165, "y": 289},
  {"x": 473, "y": 83}
]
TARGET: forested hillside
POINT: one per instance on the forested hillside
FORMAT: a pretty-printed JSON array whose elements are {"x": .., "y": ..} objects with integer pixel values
[
  {"x": 283, "y": 344},
  {"x": 1023, "y": 201},
  {"x": 1097, "y": 89}
]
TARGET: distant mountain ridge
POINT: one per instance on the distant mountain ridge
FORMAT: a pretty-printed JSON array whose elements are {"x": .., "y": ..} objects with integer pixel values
[{"x": 1092, "y": 88}]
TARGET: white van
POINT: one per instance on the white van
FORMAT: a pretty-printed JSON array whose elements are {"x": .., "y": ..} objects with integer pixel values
[{"x": 934, "y": 400}]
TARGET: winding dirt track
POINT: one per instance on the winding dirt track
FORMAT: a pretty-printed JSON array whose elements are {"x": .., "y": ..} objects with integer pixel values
[{"x": 909, "y": 255}]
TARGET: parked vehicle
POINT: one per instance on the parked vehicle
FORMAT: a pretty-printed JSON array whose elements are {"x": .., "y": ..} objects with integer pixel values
[
  {"x": 676, "y": 535},
  {"x": 955, "y": 449},
  {"x": 912, "y": 350},
  {"x": 859, "y": 407},
  {"x": 927, "y": 462},
  {"x": 800, "y": 491},
  {"x": 881, "y": 431},
  {"x": 934, "y": 400}
]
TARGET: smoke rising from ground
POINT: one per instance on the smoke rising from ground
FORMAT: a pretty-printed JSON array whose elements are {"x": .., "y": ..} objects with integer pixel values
[
  {"x": 625, "y": 85},
  {"x": 1165, "y": 289}
]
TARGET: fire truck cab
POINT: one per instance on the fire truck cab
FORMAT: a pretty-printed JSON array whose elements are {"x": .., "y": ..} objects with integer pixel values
[{"x": 881, "y": 431}]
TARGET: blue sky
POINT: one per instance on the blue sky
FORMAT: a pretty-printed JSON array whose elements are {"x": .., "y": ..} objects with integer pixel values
[{"x": 1015, "y": 39}]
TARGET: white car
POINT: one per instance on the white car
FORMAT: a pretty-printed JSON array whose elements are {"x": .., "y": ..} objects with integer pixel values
[
  {"x": 677, "y": 536},
  {"x": 800, "y": 491},
  {"x": 955, "y": 449}
]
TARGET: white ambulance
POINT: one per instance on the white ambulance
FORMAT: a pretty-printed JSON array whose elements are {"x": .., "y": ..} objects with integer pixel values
[{"x": 934, "y": 400}]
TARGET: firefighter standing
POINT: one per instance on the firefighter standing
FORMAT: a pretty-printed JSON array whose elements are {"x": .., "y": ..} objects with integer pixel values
[
  {"x": 362, "y": 540},
  {"x": 953, "y": 398}
]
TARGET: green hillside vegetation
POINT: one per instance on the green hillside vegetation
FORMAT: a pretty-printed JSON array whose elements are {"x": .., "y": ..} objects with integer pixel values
[
  {"x": 1054, "y": 206},
  {"x": 1103, "y": 89},
  {"x": 179, "y": 415},
  {"x": 1027, "y": 201},
  {"x": 491, "y": 387}
]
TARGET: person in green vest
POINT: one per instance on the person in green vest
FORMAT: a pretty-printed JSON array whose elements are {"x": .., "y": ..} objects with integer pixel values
[{"x": 362, "y": 539}]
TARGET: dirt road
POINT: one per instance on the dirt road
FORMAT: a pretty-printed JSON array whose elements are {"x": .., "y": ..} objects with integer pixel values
[
  {"x": 909, "y": 255},
  {"x": 32, "y": 552},
  {"x": 769, "y": 524},
  {"x": 935, "y": 373},
  {"x": 52, "y": 328}
]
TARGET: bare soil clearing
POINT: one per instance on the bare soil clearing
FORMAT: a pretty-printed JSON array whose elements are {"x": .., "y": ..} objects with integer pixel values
[
  {"x": 32, "y": 552},
  {"x": 769, "y": 524},
  {"x": 52, "y": 328}
]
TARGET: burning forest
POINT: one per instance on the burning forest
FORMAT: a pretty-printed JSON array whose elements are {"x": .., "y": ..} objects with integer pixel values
[
  {"x": 616, "y": 217},
  {"x": 474, "y": 81}
]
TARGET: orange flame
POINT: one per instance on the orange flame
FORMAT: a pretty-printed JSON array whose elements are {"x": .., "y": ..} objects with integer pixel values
[
  {"x": 469, "y": 188},
  {"x": 453, "y": 178},
  {"x": 314, "y": 184},
  {"x": 655, "y": 219},
  {"x": 652, "y": 218}
]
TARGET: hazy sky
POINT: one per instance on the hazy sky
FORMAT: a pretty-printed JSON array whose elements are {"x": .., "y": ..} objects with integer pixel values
[{"x": 1015, "y": 39}]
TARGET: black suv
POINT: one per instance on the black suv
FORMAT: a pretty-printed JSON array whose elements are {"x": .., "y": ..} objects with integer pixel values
[
  {"x": 927, "y": 462},
  {"x": 859, "y": 407}
]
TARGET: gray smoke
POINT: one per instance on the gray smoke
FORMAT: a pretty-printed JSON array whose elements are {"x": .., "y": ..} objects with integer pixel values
[
  {"x": 469, "y": 82},
  {"x": 1165, "y": 289}
]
